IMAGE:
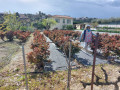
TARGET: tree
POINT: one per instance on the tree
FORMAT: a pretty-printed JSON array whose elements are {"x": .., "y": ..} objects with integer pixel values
[
  {"x": 17, "y": 15},
  {"x": 23, "y": 28},
  {"x": 94, "y": 24},
  {"x": 12, "y": 21},
  {"x": 39, "y": 25},
  {"x": 48, "y": 23}
]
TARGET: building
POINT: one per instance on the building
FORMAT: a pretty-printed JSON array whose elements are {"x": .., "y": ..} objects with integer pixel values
[
  {"x": 81, "y": 26},
  {"x": 62, "y": 21},
  {"x": 23, "y": 18}
]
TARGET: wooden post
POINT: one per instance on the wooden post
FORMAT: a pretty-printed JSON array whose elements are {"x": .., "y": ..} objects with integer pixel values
[
  {"x": 25, "y": 66},
  {"x": 94, "y": 60},
  {"x": 69, "y": 66}
]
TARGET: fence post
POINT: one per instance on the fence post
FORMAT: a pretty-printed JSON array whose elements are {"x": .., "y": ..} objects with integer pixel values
[
  {"x": 69, "y": 66},
  {"x": 94, "y": 60},
  {"x": 25, "y": 66}
]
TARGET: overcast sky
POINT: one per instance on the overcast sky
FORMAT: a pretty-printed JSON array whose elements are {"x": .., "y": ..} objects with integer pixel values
[{"x": 74, "y": 8}]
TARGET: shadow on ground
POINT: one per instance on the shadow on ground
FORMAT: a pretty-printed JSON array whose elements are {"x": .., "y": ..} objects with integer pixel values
[{"x": 97, "y": 83}]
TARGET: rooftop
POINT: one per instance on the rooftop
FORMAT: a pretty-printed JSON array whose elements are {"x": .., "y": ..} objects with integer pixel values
[{"x": 22, "y": 16}]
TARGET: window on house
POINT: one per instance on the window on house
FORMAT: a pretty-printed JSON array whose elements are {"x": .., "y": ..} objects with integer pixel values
[
  {"x": 68, "y": 21},
  {"x": 57, "y": 20},
  {"x": 63, "y": 20}
]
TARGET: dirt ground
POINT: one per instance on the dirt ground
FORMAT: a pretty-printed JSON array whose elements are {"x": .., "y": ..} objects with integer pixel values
[
  {"x": 17, "y": 59},
  {"x": 7, "y": 49}
]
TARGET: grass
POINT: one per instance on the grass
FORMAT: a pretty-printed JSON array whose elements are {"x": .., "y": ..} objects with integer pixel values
[
  {"x": 58, "y": 80},
  {"x": 14, "y": 87},
  {"x": 109, "y": 31},
  {"x": 10, "y": 49}
]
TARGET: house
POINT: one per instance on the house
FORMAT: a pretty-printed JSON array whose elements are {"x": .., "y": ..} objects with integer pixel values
[
  {"x": 23, "y": 18},
  {"x": 61, "y": 20},
  {"x": 80, "y": 26}
]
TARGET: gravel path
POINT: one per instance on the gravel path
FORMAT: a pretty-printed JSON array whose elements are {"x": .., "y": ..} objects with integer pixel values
[
  {"x": 58, "y": 60},
  {"x": 86, "y": 58}
]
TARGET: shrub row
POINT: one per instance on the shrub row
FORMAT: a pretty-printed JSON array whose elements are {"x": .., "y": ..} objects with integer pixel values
[
  {"x": 61, "y": 39},
  {"x": 40, "y": 51},
  {"x": 21, "y": 35},
  {"x": 2, "y": 35},
  {"x": 109, "y": 45}
]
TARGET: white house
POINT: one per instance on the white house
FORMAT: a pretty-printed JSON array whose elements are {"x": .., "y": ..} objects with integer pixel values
[{"x": 61, "y": 21}]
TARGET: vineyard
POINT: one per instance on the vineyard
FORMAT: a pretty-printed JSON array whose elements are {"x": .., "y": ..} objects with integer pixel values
[
  {"x": 10, "y": 35},
  {"x": 63, "y": 46},
  {"x": 40, "y": 51},
  {"x": 61, "y": 38},
  {"x": 108, "y": 45},
  {"x": 37, "y": 52}
]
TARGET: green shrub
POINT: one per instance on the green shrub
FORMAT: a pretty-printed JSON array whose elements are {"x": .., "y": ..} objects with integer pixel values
[
  {"x": 24, "y": 28},
  {"x": 10, "y": 35},
  {"x": 110, "y": 31},
  {"x": 74, "y": 49},
  {"x": 69, "y": 27}
]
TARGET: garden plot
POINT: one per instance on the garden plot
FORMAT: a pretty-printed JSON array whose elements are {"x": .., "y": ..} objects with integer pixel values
[{"x": 83, "y": 57}]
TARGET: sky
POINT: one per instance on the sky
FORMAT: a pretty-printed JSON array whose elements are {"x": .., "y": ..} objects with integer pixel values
[{"x": 73, "y": 8}]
